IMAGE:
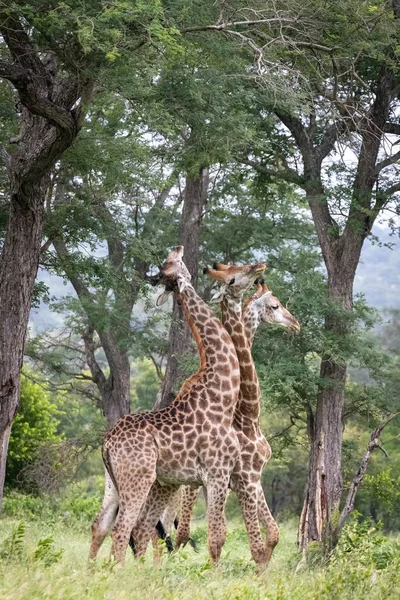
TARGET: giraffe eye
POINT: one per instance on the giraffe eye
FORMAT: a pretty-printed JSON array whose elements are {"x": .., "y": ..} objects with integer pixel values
[
  {"x": 275, "y": 307},
  {"x": 232, "y": 281}
]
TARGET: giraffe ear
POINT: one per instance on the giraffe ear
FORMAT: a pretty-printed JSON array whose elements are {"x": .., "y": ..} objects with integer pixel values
[
  {"x": 162, "y": 298},
  {"x": 265, "y": 297},
  {"x": 218, "y": 295},
  {"x": 181, "y": 282}
]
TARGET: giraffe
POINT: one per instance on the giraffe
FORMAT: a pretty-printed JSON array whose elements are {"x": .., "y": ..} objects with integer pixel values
[
  {"x": 260, "y": 307},
  {"x": 192, "y": 441}
]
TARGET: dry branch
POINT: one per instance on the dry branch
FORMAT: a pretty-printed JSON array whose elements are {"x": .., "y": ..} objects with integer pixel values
[{"x": 373, "y": 444}]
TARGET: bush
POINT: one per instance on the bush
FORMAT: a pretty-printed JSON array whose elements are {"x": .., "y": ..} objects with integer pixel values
[{"x": 35, "y": 424}]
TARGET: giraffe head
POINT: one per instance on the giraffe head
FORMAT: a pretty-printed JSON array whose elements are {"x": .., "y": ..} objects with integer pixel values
[
  {"x": 174, "y": 274},
  {"x": 267, "y": 308},
  {"x": 234, "y": 281}
]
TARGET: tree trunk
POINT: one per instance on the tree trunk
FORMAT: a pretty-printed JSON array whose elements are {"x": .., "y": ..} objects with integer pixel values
[
  {"x": 324, "y": 483},
  {"x": 189, "y": 236},
  {"x": 115, "y": 393},
  {"x": 18, "y": 267}
]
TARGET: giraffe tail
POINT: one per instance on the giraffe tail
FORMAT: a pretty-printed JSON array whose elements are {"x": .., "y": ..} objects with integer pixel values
[
  {"x": 107, "y": 464},
  {"x": 162, "y": 534}
]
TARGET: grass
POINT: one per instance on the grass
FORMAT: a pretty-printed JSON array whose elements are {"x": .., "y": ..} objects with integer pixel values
[{"x": 36, "y": 572}]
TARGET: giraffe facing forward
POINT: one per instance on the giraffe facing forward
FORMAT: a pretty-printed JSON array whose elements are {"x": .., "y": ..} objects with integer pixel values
[{"x": 191, "y": 442}]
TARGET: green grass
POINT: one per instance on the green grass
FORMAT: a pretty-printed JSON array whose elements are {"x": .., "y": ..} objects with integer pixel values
[{"x": 360, "y": 571}]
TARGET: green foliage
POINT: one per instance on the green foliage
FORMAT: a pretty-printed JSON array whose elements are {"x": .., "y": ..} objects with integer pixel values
[
  {"x": 384, "y": 488},
  {"x": 46, "y": 553},
  {"x": 363, "y": 541},
  {"x": 12, "y": 547},
  {"x": 36, "y": 424},
  {"x": 75, "y": 506},
  {"x": 145, "y": 384},
  {"x": 354, "y": 576}
]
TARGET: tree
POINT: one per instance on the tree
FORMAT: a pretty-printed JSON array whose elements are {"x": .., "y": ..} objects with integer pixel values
[
  {"x": 352, "y": 94},
  {"x": 52, "y": 58},
  {"x": 51, "y": 113}
]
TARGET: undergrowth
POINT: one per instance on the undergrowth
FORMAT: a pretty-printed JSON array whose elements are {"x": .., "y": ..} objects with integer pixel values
[
  {"x": 44, "y": 545},
  {"x": 48, "y": 560}
]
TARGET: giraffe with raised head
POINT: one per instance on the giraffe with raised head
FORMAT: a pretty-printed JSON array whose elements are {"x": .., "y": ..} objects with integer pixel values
[
  {"x": 261, "y": 307},
  {"x": 192, "y": 441}
]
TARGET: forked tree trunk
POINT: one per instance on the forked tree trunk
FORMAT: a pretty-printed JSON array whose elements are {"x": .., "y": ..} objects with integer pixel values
[
  {"x": 115, "y": 394},
  {"x": 180, "y": 339}
]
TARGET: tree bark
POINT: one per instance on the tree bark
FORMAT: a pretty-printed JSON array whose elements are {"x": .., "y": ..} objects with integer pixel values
[
  {"x": 114, "y": 390},
  {"x": 189, "y": 236},
  {"x": 324, "y": 484},
  {"x": 48, "y": 126},
  {"x": 18, "y": 268}
]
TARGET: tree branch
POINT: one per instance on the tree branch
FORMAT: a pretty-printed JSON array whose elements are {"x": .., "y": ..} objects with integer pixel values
[
  {"x": 390, "y": 160},
  {"x": 77, "y": 282},
  {"x": 393, "y": 128},
  {"x": 30, "y": 76},
  {"x": 97, "y": 374},
  {"x": 349, "y": 503},
  {"x": 287, "y": 174},
  {"x": 227, "y": 24},
  {"x": 12, "y": 72}
]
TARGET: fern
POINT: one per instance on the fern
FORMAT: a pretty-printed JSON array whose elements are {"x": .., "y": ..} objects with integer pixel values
[
  {"x": 46, "y": 553},
  {"x": 13, "y": 546}
]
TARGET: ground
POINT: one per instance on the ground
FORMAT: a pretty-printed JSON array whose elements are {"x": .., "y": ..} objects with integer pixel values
[{"x": 32, "y": 571}]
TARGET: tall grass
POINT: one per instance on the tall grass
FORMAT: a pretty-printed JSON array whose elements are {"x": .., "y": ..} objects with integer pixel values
[{"x": 49, "y": 561}]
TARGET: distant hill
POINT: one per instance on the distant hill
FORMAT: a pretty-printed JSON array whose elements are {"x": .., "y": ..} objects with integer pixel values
[
  {"x": 378, "y": 274},
  {"x": 378, "y": 278}
]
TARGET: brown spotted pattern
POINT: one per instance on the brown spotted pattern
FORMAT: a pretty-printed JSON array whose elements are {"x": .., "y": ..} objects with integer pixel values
[
  {"x": 255, "y": 450},
  {"x": 192, "y": 441}
]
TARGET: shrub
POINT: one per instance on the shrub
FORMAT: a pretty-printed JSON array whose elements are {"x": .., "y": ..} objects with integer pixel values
[{"x": 35, "y": 424}]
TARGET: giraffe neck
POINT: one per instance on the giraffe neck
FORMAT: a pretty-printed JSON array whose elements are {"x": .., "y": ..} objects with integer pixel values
[
  {"x": 202, "y": 354},
  {"x": 219, "y": 368},
  {"x": 251, "y": 321},
  {"x": 248, "y": 406}
]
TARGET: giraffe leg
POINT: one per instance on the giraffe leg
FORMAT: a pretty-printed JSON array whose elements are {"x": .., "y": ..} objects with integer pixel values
[
  {"x": 268, "y": 522},
  {"x": 167, "y": 521},
  {"x": 158, "y": 498},
  {"x": 217, "y": 493},
  {"x": 248, "y": 496},
  {"x": 105, "y": 518},
  {"x": 135, "y": 486},
  {"x": 188, "y": 500}
]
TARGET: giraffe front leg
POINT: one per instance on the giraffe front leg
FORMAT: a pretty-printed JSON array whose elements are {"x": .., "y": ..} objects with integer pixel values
[
  {"x": 188, "y": 500},
  {"x": 217, "y": 493},
  {"x": 248, "y": 496},
  {"x": 268, "y": 522}
]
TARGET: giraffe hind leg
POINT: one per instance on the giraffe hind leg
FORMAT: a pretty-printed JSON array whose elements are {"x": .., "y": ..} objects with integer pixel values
[
  {"x": 269, "y": 524},
  {"x": 217, "y": 493},
  {"x": 134, "y": 486},
  {"x": 188, "y": 500},
  {"x": 104, "y": 520},
  {"x": 159, "y": 497},
  {"x": 247, "y": 493}
]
